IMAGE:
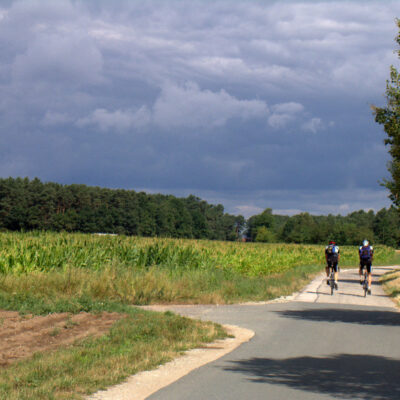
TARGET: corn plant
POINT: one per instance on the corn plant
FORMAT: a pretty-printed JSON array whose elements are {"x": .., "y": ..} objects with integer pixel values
[{"x": 45, "y": 251}]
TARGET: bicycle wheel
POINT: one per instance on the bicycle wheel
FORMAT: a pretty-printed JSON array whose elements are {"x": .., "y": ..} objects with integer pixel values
[
  {"x": 332, "y": 284},
  {"x": 365, "y": 285}
]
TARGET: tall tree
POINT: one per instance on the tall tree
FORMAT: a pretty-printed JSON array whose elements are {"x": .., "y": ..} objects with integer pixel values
[
  {"x": 265, "y": 220},
  {"x": 386, "y": 227},
  {"x": 300, "y": 228},
  {"x": 389, "y": 117}
]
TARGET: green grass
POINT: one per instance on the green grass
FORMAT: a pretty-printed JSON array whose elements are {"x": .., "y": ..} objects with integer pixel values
[
  {"x": 94, "y": 291},
  {"x": 140, "y": 341},
  {"x": 391, "y": 285}
]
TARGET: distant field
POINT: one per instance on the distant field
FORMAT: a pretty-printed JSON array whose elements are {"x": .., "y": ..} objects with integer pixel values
[
  {"x": 28, "y": 252},
  {"x": 65, "y": 271}
]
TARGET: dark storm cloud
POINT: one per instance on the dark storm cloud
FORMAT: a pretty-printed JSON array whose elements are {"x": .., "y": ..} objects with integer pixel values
[{"x": 250, "y": 104}]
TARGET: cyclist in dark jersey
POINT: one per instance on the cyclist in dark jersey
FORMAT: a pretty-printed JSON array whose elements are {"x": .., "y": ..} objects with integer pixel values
[
  {"x": 366, "y": 254},
  {"x": 332, "y": 256}
]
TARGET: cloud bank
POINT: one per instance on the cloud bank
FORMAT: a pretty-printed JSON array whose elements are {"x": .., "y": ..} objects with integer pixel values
[{"x": 242, "y": 102}]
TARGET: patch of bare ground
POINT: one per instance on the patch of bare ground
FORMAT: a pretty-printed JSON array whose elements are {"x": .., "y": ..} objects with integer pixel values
[{"x": 22, "y": 336}]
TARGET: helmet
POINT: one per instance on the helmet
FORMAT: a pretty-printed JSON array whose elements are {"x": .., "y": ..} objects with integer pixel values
[
  {"x": 332, "y": 242},
  {"x": 365, "y": 242}
]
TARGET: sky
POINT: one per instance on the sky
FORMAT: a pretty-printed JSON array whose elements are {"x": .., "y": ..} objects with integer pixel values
[{"x": 248, "y": 104}]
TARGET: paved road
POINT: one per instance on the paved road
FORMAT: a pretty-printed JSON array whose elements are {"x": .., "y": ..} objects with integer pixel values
[{"x": 316, "y": 346}]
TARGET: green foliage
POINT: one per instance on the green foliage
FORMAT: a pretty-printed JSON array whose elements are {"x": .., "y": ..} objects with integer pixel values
[
  {"x": 389, "y": 117},
  {"x": 55, "y": 272},
  {"x": 386, "y": 226},
  {"x": 382, "y": 228},
  {"x": 265, "y": 235},
  {"x": 300, "y": 229},
  {"x": 42, "y": 304},
  {"x": 265, "y": 219},
  {"x": 44, "y": 251},
  {"x": 33, "y": 205}
]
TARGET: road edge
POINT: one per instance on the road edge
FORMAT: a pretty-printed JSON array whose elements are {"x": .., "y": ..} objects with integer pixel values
[{"x": 140, "y": 386}]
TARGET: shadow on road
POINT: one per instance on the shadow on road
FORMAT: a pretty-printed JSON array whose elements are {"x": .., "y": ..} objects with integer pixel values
[
  {"x": 364, "y": 317},
  {"x": 355, "y": 281},
  {"x": 341, "y": 294},
  {"x": 344, "y": 375}
]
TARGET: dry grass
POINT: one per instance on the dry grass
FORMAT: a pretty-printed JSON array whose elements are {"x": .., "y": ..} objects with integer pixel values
[
  {"x": 152, "y": 286},
  {"x": 391, "y": 285}
]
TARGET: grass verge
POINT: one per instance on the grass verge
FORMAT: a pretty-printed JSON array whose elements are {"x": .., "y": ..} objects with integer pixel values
[
  {"x": 391, "y": 285},
  {"x": 140, "y": 341},
  {"x": 78, "y": 289}
]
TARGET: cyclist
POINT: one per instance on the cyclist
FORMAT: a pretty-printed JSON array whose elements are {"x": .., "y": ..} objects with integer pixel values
[
  {"x": 366, "y": 254},
  {"x": 332, "y": 256}
]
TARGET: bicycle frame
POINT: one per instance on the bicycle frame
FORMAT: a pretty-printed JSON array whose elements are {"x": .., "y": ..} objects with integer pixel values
[
  {"x": 332, "y": 279},
  {"x": 365, "y": 282}
]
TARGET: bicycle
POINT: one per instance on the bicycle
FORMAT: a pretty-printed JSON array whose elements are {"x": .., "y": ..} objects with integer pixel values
[
  {"x": 365, "y": 283},
  {"x": 331, "y": 280}
]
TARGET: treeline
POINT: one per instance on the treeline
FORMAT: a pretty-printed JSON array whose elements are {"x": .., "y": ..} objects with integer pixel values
[
  {"x": 33, "y": 205},
  {"x": 382, "y": 227}
]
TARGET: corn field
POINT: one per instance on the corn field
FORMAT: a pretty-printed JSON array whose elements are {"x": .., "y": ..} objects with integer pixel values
[{"x": 44, "y": 251}]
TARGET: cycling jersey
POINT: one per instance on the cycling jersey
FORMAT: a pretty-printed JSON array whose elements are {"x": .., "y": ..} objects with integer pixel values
[
  {"x": 332, "y": 252},
  {"x": 366, "y": 254}
]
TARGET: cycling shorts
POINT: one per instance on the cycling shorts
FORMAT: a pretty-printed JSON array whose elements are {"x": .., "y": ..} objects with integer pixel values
[
  {"x": 367, "y": 264},
  {"x": 333, "y": 264}
]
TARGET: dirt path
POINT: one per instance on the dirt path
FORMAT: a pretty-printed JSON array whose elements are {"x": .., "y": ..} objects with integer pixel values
[{"x": 21, "y": 337}]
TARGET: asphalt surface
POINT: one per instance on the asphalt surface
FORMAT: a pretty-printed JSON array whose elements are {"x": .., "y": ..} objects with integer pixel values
[{"x": 316, "y": 346}]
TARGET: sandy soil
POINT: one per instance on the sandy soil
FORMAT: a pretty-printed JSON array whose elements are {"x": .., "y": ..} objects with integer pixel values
[{"x": 20, "y": 337}]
